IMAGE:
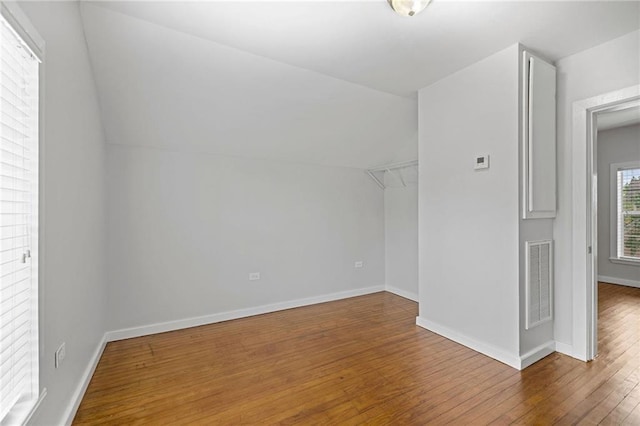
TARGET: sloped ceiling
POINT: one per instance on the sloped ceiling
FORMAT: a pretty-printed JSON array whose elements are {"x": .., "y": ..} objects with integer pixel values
[
  {"x": 323, "y": 82},
  {"x": 365, "y": 42},
  {"x": 162, "y": 88}
]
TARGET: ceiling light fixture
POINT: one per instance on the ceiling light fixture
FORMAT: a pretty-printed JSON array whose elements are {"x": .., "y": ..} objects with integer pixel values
[{"x": 408, "y": 7}]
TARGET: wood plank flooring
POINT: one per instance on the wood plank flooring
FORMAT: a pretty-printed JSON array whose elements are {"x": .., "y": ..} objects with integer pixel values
[{"x": 360, "y": 361}]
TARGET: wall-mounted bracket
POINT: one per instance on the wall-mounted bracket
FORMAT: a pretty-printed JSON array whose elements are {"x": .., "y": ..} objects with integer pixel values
[{"x": 395, "y": 169}]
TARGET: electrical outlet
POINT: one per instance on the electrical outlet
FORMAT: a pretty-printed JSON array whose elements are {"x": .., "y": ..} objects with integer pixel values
[
  {"x": 254, "y": 276},
  {"x": 359, "y": 264},
  {"x": 60, "y": 354}
]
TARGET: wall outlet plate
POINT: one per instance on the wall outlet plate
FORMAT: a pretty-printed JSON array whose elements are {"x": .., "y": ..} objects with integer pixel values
[
  {"x": 254, "y": 276},
  {"x": 358, "y": 264}
]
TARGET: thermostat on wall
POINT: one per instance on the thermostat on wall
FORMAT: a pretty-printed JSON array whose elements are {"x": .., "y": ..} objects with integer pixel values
[{"x": 481, "y": 162}]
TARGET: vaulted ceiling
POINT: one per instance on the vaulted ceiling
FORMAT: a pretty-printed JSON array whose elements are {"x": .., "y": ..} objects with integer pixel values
[
  {"x": 324, "y": 82},
  {"x": 364, "y": 42}
]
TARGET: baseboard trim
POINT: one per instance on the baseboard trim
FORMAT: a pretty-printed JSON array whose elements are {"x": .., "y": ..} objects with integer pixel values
[
  {"x": 512, "y": 360},
  {"x": 564, "y": 348},
  {"x": 619, "y": 281},
  {"x": 536, "y": 354},
  {"x": 145, "y": 330},
  {"x": 34, "y": 410},
  {"x": 77, "y": 396},
  {"x": 402, "y": 293}
]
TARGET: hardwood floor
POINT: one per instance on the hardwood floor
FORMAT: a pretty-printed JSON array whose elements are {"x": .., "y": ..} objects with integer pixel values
[{"x": 360, "y": 361}]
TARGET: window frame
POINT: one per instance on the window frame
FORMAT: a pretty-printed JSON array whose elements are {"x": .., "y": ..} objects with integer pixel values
[
  {"x": 614, "y": 255},
  {"x": 24, "y": 410}
]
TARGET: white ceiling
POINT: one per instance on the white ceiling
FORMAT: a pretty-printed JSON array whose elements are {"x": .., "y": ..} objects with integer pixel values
[{"x": 366, "y": 43}]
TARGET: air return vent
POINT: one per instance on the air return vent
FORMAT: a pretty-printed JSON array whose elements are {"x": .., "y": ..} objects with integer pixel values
[{"x": 539, "y": 272}]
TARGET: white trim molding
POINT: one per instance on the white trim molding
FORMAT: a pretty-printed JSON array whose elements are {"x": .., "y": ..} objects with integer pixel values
[
  {"x": 78, "y": 394},
  {"x": 536, "y": 354},
  {"x": 564, "y": 348},
  {"x": 512, "y": 360},
  {"x": 11, "y": 11},
  {"x": 402, "y": 293},
  {"x": 43, "y": 395},
  {"x": 619, "y": 281},
  {"x": 519, "y": 362},
  {"x": 162, "y": 327},
  {"x": 624, "y": 261},
  {"x": 584, "y": 226}
]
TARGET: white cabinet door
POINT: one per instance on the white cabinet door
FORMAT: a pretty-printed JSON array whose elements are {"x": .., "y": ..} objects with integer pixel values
[{"x": 539, "y": 138}]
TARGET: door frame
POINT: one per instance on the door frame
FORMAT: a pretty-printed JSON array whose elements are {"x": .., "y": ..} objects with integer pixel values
[{"x": 585, "y": 210}]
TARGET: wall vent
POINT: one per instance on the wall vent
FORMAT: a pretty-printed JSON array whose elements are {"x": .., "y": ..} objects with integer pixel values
[{"x": 539, "y": 282}]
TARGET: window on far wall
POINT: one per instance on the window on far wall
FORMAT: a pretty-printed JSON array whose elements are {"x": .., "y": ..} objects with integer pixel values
[
  {"x": 625, "y": 242},
  {"x": 19, "y": 136}
]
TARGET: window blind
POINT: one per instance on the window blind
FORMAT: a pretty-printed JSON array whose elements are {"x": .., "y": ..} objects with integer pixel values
[
  {"x": 18, "y": 221},
  {"x": 628, "y": 223}
]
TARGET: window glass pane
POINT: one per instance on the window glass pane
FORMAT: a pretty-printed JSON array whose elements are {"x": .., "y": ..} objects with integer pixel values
[{"x": 630, "y": 212}]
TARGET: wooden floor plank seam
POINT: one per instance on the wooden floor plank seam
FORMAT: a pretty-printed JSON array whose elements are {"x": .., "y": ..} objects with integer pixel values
[{"x": 360, "y": 361}]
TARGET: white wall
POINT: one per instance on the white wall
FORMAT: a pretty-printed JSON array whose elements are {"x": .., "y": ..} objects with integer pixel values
[
  {"x": 610, "y": 66},
  {"x": 401, "y": 240},
  {"x": 468, "y": 220},
  {"x": 186, "y": 224},
  {"x": 614, "y": 146},
  {"x": 73, "y": 269},
  {"x": 186, "y": 229}
]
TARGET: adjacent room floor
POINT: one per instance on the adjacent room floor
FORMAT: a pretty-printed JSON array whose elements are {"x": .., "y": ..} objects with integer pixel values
[{"x": 360, "y": 361}]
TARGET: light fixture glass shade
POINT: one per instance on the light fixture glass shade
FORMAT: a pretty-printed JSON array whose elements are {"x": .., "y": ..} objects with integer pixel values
[{"x": 408, "y": 7}]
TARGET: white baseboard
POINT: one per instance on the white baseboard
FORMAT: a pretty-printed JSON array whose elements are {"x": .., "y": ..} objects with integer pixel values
[
  {"x": 77, "y": 396},
  {"x": 402, "y": 293},
  {"x": 512, "y": 360},
  {"x": 536, "y": 354},
  {"x": 620, "y": 281},
  {"x": 43, "y": 395},
  {"x": 564, "y": 348},
  {"x": 128, "y": 333}
]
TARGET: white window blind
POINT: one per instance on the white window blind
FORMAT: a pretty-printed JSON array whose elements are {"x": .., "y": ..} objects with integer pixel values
[
  {"x": 18, "y": 225},
  {"x": 628, "y": 217}
]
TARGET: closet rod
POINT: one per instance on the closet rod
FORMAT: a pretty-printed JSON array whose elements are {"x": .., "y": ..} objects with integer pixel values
[
  {"x": 394, "y": 166},
  {"x": 390, "y": 168}
]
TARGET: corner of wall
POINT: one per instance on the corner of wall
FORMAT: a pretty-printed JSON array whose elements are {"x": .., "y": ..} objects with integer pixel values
[
  {"x": 76, "y": 398},
  {"x": 402, "y": 293},
  {"x": 564, "y": 348},
  {"x": 499, "y": 354}
]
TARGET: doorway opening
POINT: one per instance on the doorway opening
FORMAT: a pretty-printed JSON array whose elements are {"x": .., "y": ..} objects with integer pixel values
[
  {"x": 585, "y": 213},
  {"x": 617, "y": 231}
]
